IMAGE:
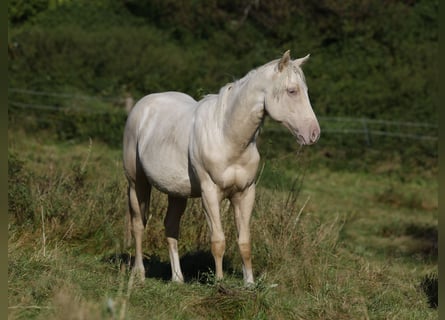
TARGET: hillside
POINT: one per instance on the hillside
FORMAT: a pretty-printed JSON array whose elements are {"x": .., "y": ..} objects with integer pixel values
[{"x": 343, "y": 229}]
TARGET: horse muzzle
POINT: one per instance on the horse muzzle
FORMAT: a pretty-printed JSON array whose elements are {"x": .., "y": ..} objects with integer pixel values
[{"x": 311, "y": 136}]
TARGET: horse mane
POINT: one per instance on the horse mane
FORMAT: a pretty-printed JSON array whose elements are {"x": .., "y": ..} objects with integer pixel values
[
  {"x": 280, "y": 84},
  {"x": 221, "y": 102}
]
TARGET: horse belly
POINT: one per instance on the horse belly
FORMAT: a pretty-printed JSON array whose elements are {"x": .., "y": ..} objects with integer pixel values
[
  {"x": 166, "y": 166},
  {"x": 168, "y": 177}
]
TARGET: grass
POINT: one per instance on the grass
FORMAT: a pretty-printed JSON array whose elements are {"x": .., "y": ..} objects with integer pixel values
[{"x": 341, "y": 245}]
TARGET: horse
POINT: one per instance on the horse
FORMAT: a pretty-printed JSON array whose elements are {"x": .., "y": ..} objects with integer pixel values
[{"x": 187, "y": 149}]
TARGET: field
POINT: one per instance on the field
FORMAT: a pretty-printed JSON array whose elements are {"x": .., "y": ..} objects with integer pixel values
[
  {"x": 344, "y": 229},
  {"x": 327, "y": 243}
]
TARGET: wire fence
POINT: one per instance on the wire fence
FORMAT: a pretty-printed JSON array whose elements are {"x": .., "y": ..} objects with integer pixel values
[
  {"x": 375, "y": 127},
  {"x": 19, "y": 98}
]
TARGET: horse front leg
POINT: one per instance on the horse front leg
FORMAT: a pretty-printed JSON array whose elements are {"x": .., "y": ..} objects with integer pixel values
[
  {"x": 211, "y": 198},
  {"x": 242, "y": 203}
]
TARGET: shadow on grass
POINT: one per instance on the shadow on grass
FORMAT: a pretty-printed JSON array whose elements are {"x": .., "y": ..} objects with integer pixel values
[
  {"x": 430, "y": 249},
  {"x": 428, "y": 235},
  {"x": 421, "y": 241},
  {"x": 430, "y": 286},
  {"x": 196, "y": 266},
  {"x": 424, "y": 244}
]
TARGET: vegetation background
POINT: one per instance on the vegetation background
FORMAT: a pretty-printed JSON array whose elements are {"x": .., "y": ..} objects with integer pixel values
[{"x": 345, "y": 229}]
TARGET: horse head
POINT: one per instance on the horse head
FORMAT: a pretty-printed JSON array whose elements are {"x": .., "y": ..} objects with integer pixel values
[{"x": 287, "y": 100}]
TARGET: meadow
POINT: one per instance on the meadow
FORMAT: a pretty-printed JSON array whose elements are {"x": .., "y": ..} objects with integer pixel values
[
  {"x": 327, "y": 243},
  {"x": 344, "y": 229}
]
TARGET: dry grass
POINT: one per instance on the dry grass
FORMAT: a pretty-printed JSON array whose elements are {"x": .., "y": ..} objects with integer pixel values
[{"x": 338, "y": 250}]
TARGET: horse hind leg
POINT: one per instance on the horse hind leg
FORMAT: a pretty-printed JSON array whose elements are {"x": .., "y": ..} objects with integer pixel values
[
  {"x": 176, "y": 207},
  {"x": 139, "y": 200}
]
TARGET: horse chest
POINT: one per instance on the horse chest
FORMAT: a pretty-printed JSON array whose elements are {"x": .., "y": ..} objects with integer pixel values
[{"x": 233, "y": 176}]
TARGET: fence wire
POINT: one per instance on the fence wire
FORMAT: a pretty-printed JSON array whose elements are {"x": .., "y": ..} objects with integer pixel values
[{"x": 342, "y": 125}]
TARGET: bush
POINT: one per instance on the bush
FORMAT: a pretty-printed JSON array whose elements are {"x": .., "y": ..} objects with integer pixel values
[
  {"x": 68, "y": 124},
  {"x": 367, "y": 60}
]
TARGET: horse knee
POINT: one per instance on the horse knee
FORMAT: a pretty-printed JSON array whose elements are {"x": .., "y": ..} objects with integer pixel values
[
  {"x": 137, "y": 226},
  {"x": 218, "y": 248},
  {"x": 245, "y": 251}
]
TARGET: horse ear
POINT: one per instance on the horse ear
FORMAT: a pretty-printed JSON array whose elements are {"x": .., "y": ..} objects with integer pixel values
[
  {"x": 301, "y": 61},
  {"x": 284, "y": 60}
]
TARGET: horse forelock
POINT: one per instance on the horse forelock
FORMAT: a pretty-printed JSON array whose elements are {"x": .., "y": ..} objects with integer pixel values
[
  {"x": 299, "y": 72},
  {"x": 281, "y": 82}
]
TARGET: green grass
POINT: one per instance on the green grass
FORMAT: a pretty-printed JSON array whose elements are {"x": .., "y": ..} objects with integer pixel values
[{"x": 341, "y": 245}]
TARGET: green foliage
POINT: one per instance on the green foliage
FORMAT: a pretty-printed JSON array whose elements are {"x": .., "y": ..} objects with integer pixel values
[
  {"x": 72, "y": 124},
  {"x": 368, "y": 60},
  {"x": 383, "y": 56},
  {"x": 20, "y": 11},
  {"x": 108, "y": 127}
]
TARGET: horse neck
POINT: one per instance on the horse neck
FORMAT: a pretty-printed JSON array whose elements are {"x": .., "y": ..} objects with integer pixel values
[{"x": 243, "y": 112}]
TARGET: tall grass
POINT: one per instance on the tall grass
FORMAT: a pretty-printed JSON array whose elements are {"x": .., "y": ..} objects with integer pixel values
[{"x": 311, "y": 256}]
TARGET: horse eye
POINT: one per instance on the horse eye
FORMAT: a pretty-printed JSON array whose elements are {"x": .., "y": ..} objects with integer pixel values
[{"x": 292, "y": 91}]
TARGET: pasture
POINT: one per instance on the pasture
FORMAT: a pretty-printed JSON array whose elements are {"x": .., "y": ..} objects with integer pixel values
[
  {"x": 343, "y": 229},
  {"x": 326, "y": 243}
]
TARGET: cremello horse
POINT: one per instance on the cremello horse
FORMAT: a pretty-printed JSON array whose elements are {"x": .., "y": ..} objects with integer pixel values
[{"x": 208, "y": 149}]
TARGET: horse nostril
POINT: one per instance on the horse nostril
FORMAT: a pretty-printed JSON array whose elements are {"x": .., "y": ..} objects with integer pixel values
[{"x": 315, "y": 134}]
